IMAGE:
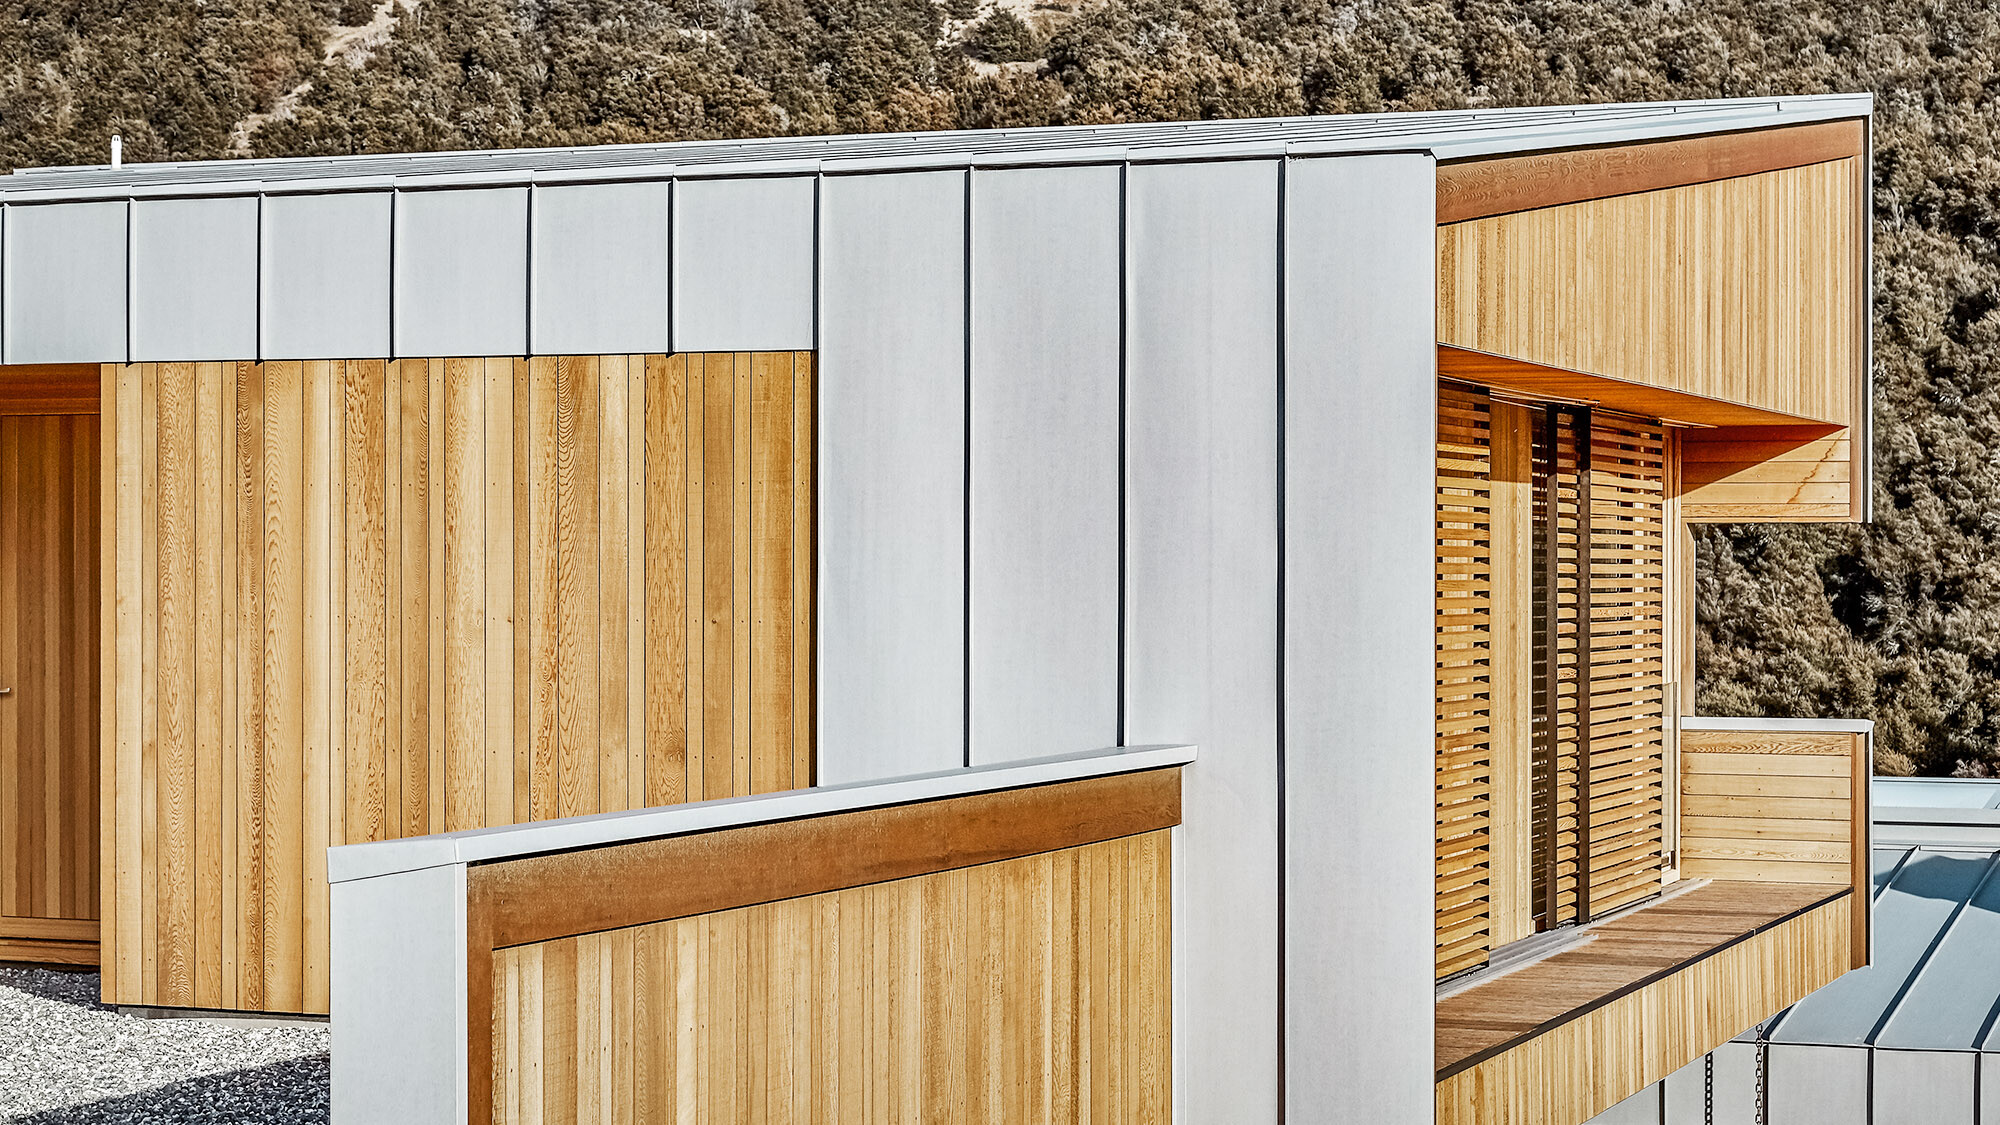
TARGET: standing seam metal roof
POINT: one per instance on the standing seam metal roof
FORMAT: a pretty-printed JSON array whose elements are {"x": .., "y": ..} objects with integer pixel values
[
  {"x": 1453, "y": 134},
  {"x": 1935, "y": 982}
]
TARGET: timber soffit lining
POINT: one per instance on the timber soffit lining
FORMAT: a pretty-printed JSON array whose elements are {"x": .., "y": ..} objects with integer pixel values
[
  {"x": 1541, "y": 380},
  {"x": 1450, "y": 135},
  {"x": 1478, "y": 189}
]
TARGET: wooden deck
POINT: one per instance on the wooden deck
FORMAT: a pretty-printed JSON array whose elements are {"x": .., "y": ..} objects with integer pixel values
[{"x": 1619, "y": 957}]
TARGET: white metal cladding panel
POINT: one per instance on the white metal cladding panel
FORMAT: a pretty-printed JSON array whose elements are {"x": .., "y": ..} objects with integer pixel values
[
  {"x": 1360, "y": 422},
  {"x": 1735, "y": 1095},
  {"x": 1924, "y": 1087},
  {"x": 743, "y": 264},
  {"x": 891, "y": 594},
  {"x": 1201, "y": 583},
  {"x": 1817, "y": 1085},
  {"x": 397, "y": 963},
  {"x": 1685, "y": 1095},
  {"x": 194, "y": 279},
  {"x": 1642, "y": 1108},
  {"x": 462, "y": 272},
  {"x": 65, "y": 283},
  {"x": 1045, "y": 358},
  {"x": 600, "y": 266},
  {"x": 326, "y": 275}
]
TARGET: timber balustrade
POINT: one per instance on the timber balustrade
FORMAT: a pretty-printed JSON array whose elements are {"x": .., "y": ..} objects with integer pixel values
[
  {"x": 1779, "y": 801},
  {"x": 988, "y": 944}
]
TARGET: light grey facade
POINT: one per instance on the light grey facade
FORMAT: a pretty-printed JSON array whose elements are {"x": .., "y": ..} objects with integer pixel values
[{"x": 1125, "y": 436}]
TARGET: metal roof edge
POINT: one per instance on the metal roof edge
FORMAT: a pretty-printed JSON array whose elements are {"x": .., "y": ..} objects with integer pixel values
[
  {"x": 1449, "y": 134},
  {"x": 1794, "y": 726}
]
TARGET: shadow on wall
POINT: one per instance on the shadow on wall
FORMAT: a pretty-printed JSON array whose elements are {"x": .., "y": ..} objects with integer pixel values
[{"x": 293, "y": 1092}]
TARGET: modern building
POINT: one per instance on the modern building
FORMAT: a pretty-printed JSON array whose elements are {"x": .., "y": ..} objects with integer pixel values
[
  {"x": 1119, "y": 622},
  {"x": 1909, "y": 1039}
]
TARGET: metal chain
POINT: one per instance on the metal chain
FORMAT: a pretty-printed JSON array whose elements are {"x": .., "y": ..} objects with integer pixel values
[
  {"x": 1762, "y": 1109},
  {"x": 1708, "y": 1089}
]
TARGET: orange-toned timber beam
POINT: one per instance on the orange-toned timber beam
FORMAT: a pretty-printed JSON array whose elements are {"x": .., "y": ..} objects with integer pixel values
[
  {"x": 1475, "y": 189},
  {"x": 49, "y": 388}
]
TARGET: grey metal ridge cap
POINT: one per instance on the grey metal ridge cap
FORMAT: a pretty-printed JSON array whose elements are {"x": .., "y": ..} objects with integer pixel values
[
  {"x": 1657, "y": 127},
  {"x": 857, "y": 145},
  {"x": 1931, "y": 815},
  {"x": 1752, "y": 724},
  {"x": 1938, "y": 837},
  {"x": 389, "y": 857},
  {"x": 190, "y": 189}
]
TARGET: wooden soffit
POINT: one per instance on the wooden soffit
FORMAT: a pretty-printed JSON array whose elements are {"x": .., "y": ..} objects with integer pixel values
[
  {"x": 1478, "y": 188},
  {"x": 1537, "y": 380}
]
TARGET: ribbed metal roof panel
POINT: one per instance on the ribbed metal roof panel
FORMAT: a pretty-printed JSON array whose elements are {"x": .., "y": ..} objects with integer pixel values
[{"x": 1454, "y": 134}]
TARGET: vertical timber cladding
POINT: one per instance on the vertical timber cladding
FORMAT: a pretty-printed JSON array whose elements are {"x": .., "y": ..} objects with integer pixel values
[
  {"x": 1515, "y": 544},
  {"x": 1029, "y": 989},
  {"x": 362, "y": 600}
]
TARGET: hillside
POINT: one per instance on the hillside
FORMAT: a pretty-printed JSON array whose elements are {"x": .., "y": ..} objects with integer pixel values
[{"x": 1900, "y": 621}]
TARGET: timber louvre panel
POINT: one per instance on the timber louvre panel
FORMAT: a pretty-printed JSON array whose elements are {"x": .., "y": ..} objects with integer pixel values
[
  {"x": 1627, "y": 637},
  {"x": 1590, "y": 825},
  {"x": 417, "y": 595},
  {"x": 1465, "y": 714}
]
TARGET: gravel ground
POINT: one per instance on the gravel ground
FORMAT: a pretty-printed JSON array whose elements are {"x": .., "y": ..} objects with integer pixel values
[{"x": 65, "y": 1058}]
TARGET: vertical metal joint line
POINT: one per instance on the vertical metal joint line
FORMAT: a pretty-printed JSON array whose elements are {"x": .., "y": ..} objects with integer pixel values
[{"x": 1581, "y": 421}]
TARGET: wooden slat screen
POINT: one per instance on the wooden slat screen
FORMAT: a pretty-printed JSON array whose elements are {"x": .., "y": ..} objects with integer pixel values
[
  {"x": 1627, "y": 632},
  {"x": 360, "y": 600},
  {"x": 1546, "y": 518},
  {"x": 1464, "y": 679}
]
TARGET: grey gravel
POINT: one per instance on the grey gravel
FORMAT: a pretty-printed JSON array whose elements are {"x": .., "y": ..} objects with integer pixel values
[{"x": 65, "y": 1058}]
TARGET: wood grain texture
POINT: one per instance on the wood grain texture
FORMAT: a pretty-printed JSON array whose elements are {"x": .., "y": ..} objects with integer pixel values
[
  {"x": 1628, "y": 726},
  {"x": 1466, "y": 668},
  {"x": 408, "y": 597},
  {"x": 50, "y": 388},
  {"x": 1744, "y": 290},
  {"x": 1561, "y": 384},
  {"x": 1778, "y": 806},
  {"x": 1682, "y": 976},
  {"x": 543, "y": 897},
  {"x": 1779, "y": 474},
  {"x": 49, "y": 717},
  {"x": 1475, "y": 189},
  {"x": 1511, "y": 816},
  {"x": 1051, "y": 1000}
]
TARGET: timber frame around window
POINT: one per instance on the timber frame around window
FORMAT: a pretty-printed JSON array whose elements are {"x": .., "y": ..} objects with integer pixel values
[{"x": 1551, "y": 544}]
